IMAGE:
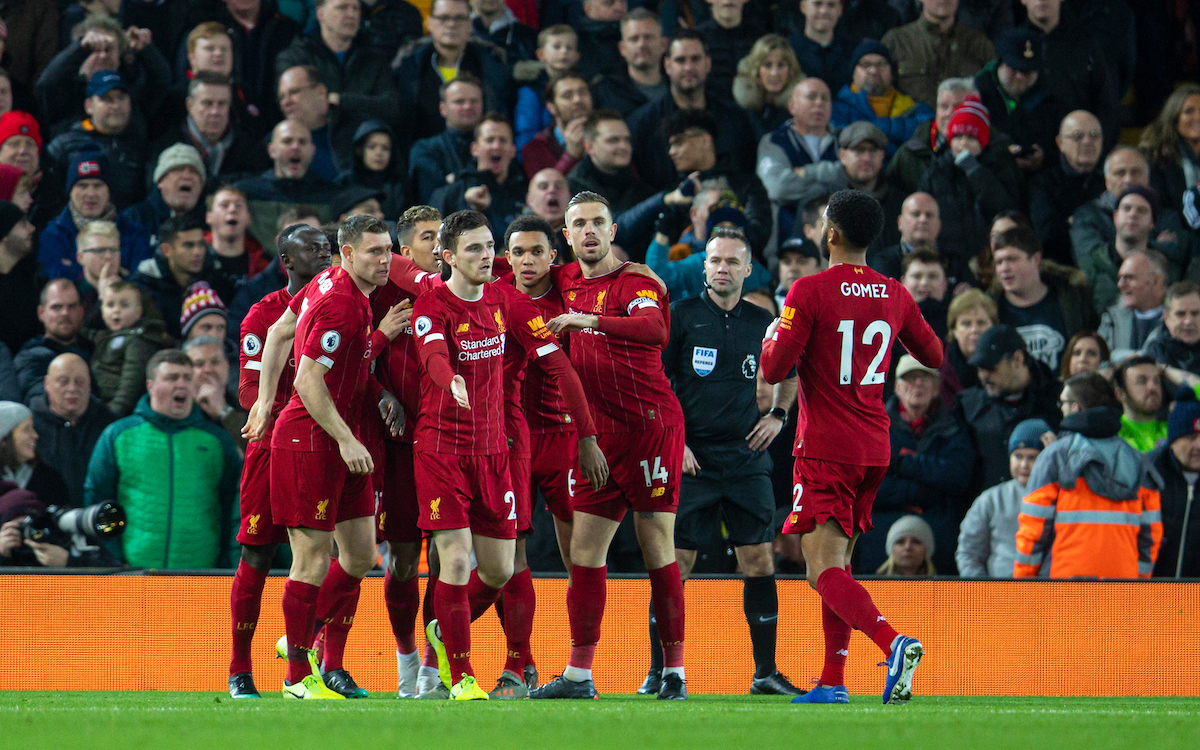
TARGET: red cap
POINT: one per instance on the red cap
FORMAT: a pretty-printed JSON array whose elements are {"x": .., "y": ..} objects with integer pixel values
[
  {"x": 970, "y": 118},
  {"x": 19, "y": 123}
]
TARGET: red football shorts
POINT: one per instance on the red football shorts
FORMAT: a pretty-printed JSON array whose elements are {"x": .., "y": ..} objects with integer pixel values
[
  {"x": 518, "y": 468},
  {"x": 466, "y": 492},
  {"x": 396, "y": 521},
  {"x": 315, "y": 490},
  {"x": 555, "y": 469},
  {"x": 257, "y": 524},
  {"x": 828, "y": 489},
  {"x": 645, "y": 469}
]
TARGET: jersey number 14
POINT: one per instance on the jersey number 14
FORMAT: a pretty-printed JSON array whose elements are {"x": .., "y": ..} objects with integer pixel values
[
  {"x": 659, "y": 472},
  {"x": 876, "y": 330}
]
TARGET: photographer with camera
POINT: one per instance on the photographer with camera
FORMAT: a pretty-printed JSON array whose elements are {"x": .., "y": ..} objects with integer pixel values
[{"x": 27, "y": 485}]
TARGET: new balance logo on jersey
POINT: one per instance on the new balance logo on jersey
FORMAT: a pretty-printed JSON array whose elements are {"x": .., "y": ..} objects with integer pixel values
[
  {"x": 322, "y": 507},
  {"x": 462, "y": 328},
  {"x": 658, "y": 492}
]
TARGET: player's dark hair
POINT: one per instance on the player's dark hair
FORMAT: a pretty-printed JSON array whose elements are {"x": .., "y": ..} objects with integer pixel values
[
  {"x": 457, "y": 224},
  {"x": 689, "y": 119},
  {"x": 289, "y": 240},
  {"x": 412, "y": 216},
  {"x": 587, "y": 196},
  {"x": 1016, "y": 217},
  {"x": 355, "y": 226},
  {"x": 166, "y": 357},
  {"x": 169, "y": 229},
  {"x": 729, "y": 233},
  {"x": 1122, "y": 370},
  {"x": 858, "y": 215},
  {"x": 1091, "y": 390},
  {"x": 291, "y": 214},
  {"x": 922, "y": 255},
  {"x": 530, "y": 223},
  {"x": 1020, "y": 238},
  {"x": 330, "y": 229}
]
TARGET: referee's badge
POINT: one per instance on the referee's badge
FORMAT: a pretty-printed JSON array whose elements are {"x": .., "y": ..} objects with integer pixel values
[
  {"x": 704, "y": 360},
  {"x": 749, "y": 367}
]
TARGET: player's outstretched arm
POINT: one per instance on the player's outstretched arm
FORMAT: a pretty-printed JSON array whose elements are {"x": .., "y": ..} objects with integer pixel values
[
  {"x": 280, "y": 336},
  {"x": 310, "y": 385}
]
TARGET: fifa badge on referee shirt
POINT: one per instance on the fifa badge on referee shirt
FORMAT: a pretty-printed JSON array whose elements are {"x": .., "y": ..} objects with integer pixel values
[{"x": 704, "y": 360}]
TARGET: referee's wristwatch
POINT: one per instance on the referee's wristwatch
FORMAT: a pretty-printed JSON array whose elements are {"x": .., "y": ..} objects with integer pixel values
[{"x": 780, "y": 414}]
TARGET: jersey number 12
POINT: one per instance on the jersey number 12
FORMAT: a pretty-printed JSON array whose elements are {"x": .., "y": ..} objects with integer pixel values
[{"x": 878, "y": 329}]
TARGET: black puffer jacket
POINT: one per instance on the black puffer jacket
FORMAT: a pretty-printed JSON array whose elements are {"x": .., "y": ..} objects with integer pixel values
[
  {"x": 969, "y": 193},
  {"x": 991, "y": 419},
  {"x": 1161, "y": 471}
]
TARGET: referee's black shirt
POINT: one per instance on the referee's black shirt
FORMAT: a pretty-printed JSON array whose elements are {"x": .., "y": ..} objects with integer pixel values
[{"x": 712, "y": 360}]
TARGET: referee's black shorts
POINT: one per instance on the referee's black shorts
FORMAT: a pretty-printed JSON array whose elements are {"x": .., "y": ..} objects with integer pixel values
[{"x": 733, "y": 489}]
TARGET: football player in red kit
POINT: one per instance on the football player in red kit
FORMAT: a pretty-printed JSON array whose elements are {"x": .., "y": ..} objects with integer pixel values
[
  {"x": 413, "y": 272},
  {"x": 837, "y": 329},
  {"x": 619, "y": 328},
  {"x": 461, "y": 450},
  {"x": 303, "y": 253},
  {"x": 320, "y": 470}
]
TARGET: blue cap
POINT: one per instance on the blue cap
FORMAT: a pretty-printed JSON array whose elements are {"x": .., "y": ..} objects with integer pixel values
[
  {"x": 105, "y": 81},
  {"x": 1185, "y": 415},
  {"x": 1028, "y": 434}
]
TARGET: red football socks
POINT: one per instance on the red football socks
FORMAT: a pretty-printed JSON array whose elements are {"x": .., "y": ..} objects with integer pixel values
[
  {"x": 245, "y": 601},
  {"x": 429, "y": 658},
  {"x": 336, "y": 590},
  {"x": 299, "y": 616},
  {"x": 837, "y": 643},
  {"x": 585, "y": 608},
  {"x": 453, "y": 606},
  {"x": 337, "y": 630},
  {"x": 848, "y": 599},
  {"x": 403, "y": 599},
  {"x": 519, "y": 604},
  {"x": 666, "y": 587},
  {"x": 481, "y": 595}
]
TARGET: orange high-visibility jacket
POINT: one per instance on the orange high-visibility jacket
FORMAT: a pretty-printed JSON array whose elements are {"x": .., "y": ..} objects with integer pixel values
[{"x": 1086, "y": 507}]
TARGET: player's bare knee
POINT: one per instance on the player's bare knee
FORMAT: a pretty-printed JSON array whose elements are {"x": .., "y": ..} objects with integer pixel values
[
  {"x": 404, "y": 562},
  {"x": 756, "y": 560},
  {"x": 259, "y": 556}
]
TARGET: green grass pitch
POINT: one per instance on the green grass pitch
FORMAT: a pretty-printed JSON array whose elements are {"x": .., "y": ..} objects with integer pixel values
[{"x": 211, "y": 720}]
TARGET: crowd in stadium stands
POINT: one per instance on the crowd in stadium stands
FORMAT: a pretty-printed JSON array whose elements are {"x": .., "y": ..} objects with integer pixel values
[{"x": 1036, "y": 161}]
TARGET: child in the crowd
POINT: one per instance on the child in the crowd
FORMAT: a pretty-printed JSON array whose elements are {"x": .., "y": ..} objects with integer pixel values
[
  {"x": 987, "y": 538},
  {"x": 557, "y": 53},
  {"x": 124, "y": 348}
]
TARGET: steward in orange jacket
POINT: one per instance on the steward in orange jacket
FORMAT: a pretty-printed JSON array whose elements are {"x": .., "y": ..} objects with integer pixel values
[{"x": 1085, "y": 505}]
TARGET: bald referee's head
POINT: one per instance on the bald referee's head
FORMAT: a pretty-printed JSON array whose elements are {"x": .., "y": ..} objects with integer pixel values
[{"x": 852, "y": 221}]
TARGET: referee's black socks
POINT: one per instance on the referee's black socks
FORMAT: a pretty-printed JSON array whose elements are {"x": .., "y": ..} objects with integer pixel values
[{"x": 760, "y": 601}]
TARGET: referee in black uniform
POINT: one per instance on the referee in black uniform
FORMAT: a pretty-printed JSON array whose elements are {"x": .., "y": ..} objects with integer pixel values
[{"x": 712, "y": 361}]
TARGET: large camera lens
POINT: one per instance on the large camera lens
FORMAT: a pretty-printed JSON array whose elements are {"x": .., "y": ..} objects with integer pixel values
[
  {"x": 38, "y": 527},
  {"x": 100, "y": 521}
]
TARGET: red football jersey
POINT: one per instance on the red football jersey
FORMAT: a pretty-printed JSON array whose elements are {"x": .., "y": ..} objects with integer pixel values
[
  {"x": 528, "y": 338},
  {"x": 333, "y": 328},
  {"x": 545, "y": 407},
  {"x": 261, "y": 316},
  {"x": 399, "y": 369},
  {"x": 624, "y": 379},
  {"x": 837, "y": 328}
]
